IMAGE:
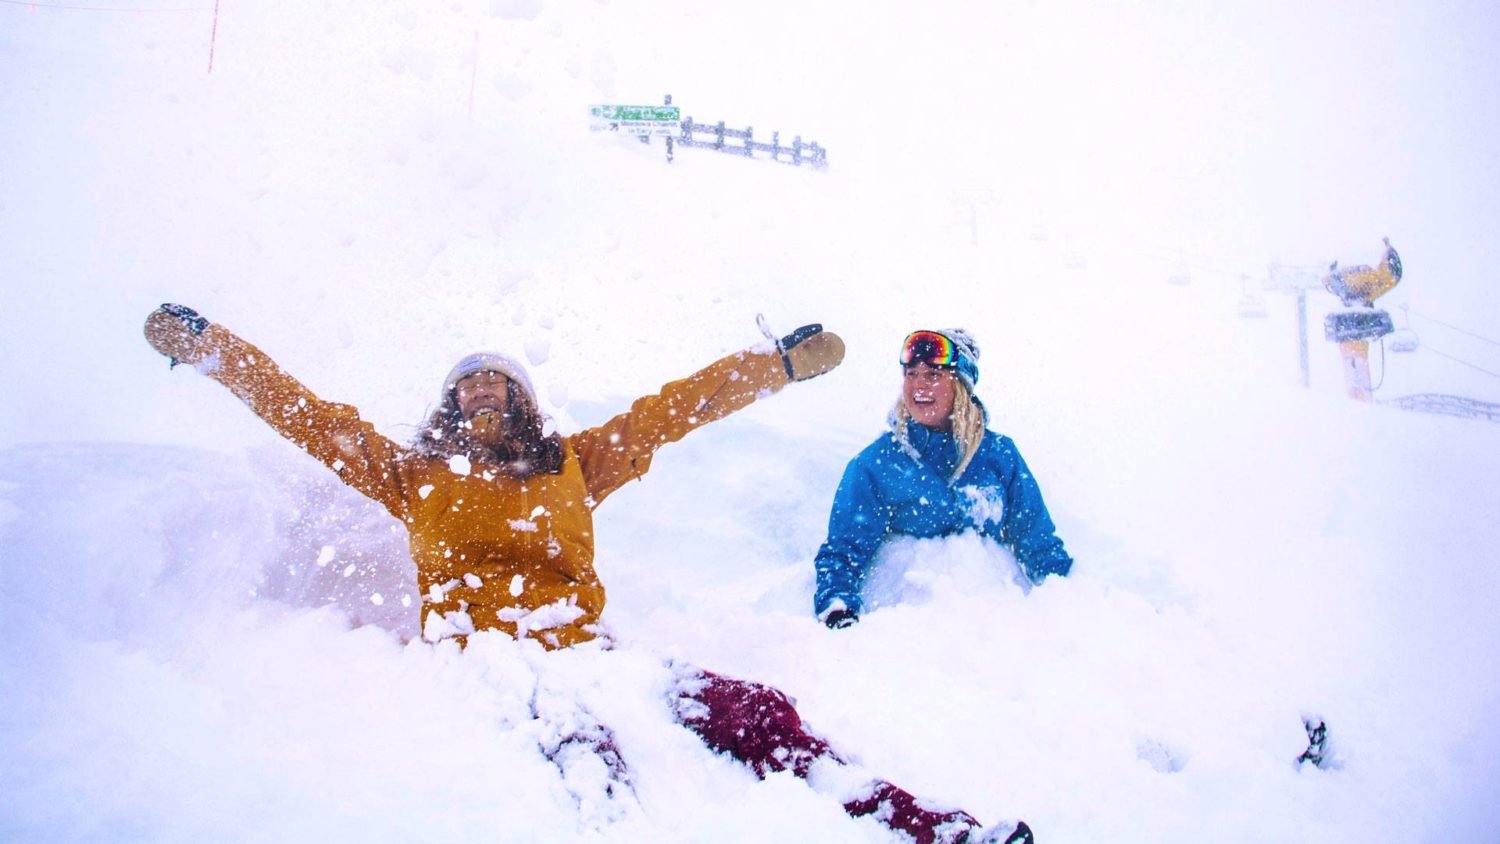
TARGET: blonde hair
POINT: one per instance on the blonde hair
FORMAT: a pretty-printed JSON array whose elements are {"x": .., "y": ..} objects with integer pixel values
[{"x": 968, "y": 419}]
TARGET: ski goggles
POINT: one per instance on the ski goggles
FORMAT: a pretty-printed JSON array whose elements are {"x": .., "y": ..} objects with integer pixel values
[
  {"x": 935, "y": 348},
  {"x": 929, "y": 347}
]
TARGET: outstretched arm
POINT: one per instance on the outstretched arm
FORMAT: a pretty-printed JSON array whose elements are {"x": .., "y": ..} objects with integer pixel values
[
  {"x": 622, "y": 448},
  {"x": 333, "y": 433}
]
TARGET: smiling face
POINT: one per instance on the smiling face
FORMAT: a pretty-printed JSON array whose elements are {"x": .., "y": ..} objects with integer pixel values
[
  {"x": 486, "y": 395},
  {"x": 928, "y": 393},
  {"x": 482, "y": 391}
]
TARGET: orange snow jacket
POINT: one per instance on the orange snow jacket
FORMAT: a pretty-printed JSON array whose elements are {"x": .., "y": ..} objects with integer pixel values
[{"x": 493, "y": 551}]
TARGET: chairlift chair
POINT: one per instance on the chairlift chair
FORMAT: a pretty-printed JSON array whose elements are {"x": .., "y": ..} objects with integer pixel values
[{"x": 1404, "y": 341}]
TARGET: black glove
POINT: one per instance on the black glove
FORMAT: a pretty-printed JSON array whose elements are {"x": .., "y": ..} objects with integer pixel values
[{"x": 839, "y": 619}]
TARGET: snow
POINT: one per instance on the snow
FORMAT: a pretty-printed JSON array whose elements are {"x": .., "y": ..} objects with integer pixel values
[{"x": 370, "y": 191}]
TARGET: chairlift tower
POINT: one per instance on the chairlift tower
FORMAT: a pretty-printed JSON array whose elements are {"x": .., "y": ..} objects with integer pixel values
[{"x": 1297, "y": 281}]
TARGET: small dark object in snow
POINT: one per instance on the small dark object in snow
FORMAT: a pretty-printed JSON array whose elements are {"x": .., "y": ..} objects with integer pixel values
[
  {"x": 1317, "y": 741},
  {"x": 1020, "y": 835}
]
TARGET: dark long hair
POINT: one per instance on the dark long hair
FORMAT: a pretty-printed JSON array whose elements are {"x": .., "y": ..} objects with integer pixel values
[{"x": 523, "y": 451}]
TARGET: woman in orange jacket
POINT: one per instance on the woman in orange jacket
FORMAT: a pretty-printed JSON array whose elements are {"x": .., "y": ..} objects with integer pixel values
[{"x": 500, "y": 517}]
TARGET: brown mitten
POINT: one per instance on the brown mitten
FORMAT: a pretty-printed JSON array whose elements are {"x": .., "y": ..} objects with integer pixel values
[
  {"x": 174, "y": 330},
  {"x": 810, "y": 351}
]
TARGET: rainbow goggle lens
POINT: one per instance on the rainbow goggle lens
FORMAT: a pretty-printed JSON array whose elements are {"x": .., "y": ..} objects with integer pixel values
[{"x": 929, "y": 347}]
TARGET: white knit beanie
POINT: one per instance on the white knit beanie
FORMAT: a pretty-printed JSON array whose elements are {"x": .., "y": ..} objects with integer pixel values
[{"x": 489, "y": 362}]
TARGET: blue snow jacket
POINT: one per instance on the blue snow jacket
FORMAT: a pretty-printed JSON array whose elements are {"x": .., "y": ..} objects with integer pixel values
[{"x": 887, "y": 490}]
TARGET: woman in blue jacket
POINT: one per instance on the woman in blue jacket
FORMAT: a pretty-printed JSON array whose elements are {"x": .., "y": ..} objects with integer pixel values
[{"x": 938, "y": 471}]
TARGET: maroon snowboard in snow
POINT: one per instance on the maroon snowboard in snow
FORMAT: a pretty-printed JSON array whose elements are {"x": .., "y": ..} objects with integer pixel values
[{"x": 759, "y": 726}]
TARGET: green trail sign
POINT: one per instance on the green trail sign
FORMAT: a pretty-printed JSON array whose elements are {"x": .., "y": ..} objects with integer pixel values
[{"x": 635, "y": 119}]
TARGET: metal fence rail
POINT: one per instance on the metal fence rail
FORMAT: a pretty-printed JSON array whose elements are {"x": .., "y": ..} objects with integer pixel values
[
  {"x": 1448, "y": 406},
  {"x": 742, "y": 142}
]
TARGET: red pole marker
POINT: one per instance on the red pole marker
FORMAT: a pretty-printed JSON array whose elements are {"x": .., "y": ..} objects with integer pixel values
[
  {"x": 474, "y": 76},
  {"x": 213, "y": 37}
]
